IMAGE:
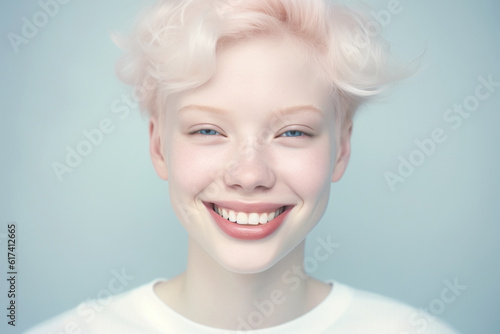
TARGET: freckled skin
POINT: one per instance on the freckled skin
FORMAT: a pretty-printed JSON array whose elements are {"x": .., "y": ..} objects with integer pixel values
[{"x": 235, "y": 139}]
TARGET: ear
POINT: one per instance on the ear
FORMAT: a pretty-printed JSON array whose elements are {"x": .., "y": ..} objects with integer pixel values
[
  {"x": 155, "y": 149},
  {"x": 343, "y": 154}
]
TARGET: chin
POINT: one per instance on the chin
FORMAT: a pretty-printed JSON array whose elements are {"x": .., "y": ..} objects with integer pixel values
[
  {"x": 250, "y": 257},
  {"x": 243, "y": 266}
]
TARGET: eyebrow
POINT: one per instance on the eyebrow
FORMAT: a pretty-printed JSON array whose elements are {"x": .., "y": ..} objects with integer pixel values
[
  {"x": 203, "y": 108},
  {"x": 301, "y": 108},
  {"x": 285, "y": 111}
]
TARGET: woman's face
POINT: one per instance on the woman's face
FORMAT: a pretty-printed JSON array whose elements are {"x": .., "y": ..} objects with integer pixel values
[{"x": 251, "y": 154}]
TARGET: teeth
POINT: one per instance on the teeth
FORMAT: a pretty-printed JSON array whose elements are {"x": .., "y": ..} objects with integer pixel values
[
  {"x": 253, "y": 219},
  {"x": 232, "y": 216},
  {"x": 271, "y": 216},
  {"x": 243, "y": 218}
]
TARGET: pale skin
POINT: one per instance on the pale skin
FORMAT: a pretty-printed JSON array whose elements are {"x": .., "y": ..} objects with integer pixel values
[{"x": 259, "y": 133}]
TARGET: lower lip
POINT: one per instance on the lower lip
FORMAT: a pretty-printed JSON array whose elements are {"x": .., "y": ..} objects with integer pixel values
[{"x": 248, "y": 232}]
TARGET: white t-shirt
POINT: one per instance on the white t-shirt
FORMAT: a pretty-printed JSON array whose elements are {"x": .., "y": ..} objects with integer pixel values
[{"x": 344, "y": 311}]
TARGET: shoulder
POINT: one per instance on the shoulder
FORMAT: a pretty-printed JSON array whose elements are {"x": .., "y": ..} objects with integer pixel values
[
  {"x": 117, "y": 314},
  {"x": 373, "y": 313}
]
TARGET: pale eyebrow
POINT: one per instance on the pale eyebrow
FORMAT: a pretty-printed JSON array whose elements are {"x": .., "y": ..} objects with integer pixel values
[
  {"x": 203, "y": 108},
  {"x": 286, "y": 111},
  {"x": 301, "y": 109}
]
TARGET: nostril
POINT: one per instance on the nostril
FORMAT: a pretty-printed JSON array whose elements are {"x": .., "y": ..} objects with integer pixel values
[{"x": 250, "y": 177}]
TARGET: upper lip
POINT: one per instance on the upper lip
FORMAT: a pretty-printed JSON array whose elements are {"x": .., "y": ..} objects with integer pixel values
[{"x": 248, "y": 207}]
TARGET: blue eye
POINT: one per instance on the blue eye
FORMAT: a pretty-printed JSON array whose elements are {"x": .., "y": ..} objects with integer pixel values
[
  {"x": 207, "y": 132},
  {"x": 293, "y": 133}
]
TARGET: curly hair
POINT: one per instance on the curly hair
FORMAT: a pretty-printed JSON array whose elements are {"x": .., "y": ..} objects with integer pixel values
[{"x": 174, "y": 46}]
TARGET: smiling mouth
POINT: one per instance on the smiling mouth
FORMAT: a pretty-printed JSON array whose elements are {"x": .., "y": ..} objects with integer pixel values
[{"x": 250, "y": 218}]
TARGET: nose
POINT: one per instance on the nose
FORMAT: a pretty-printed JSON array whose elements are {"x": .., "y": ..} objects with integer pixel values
[{"x": 250, "y": 170}]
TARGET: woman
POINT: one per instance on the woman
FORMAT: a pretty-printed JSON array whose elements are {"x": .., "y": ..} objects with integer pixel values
[{"x": 251, "y": 106}]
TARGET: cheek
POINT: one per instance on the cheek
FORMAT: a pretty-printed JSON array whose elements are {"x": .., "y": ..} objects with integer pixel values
[
  {"x": 310, "y": 172},
  {"x": 192, "y": 169}
]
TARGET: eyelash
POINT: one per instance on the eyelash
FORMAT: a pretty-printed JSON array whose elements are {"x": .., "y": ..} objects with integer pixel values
[
  {"x": 302, "y": 134},
  {"x": 212, "y": 132}
]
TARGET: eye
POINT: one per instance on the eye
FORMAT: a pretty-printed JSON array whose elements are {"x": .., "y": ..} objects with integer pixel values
[
  {"x": 207, "y": 132},
  {"x": 293, "y": 133}
]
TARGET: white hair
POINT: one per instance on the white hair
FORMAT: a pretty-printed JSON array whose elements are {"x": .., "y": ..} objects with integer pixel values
[{"x": 174, "y": 46}]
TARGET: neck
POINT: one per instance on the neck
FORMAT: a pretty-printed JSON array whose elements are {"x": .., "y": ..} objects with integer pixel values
[{"x": 211, "y": 295}]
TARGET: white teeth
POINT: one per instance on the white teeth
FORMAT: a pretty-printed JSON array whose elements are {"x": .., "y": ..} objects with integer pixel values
[
  {"x": 232, "y": 216},
  {"x": 253, "y": 219},
  {"x": 243, "y": 218}
]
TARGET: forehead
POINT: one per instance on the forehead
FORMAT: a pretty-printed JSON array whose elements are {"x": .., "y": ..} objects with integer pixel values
[{"x": 262, "y": 74}]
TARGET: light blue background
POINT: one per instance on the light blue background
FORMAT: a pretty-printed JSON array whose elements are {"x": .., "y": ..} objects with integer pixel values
[{"x": 112, "y": 212}]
